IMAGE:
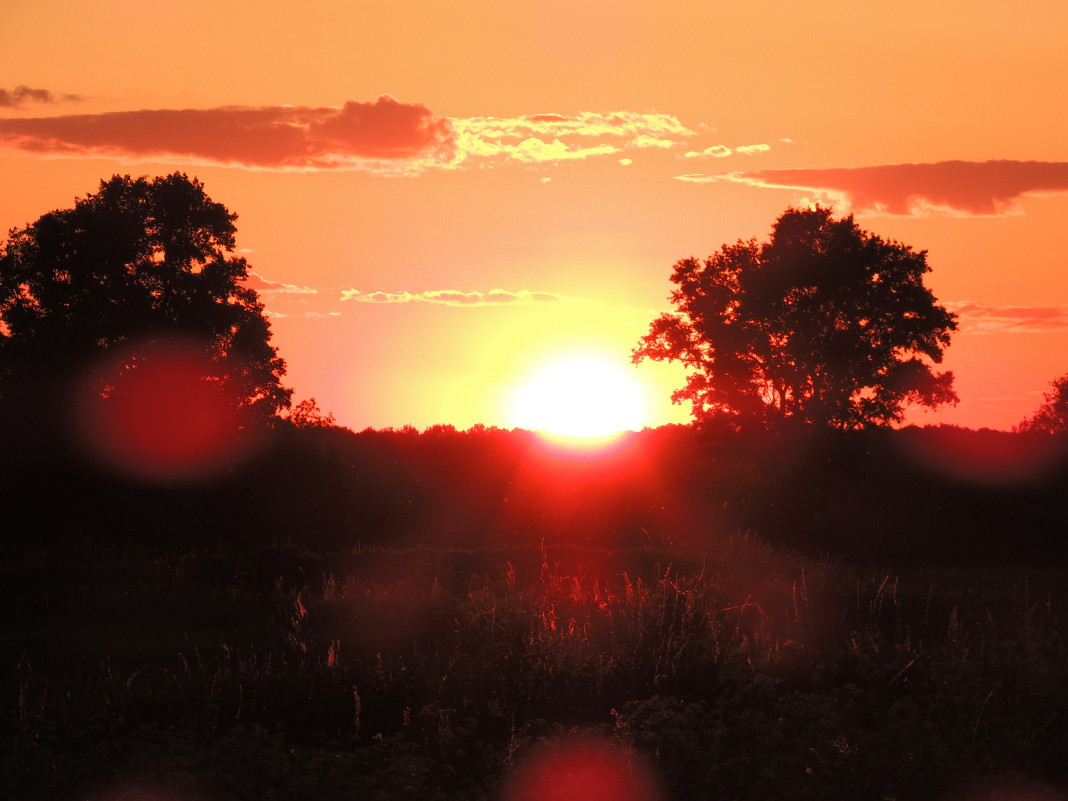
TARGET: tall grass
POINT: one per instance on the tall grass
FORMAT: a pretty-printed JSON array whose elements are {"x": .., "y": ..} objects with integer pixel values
[{"x": 426, "y": 673}]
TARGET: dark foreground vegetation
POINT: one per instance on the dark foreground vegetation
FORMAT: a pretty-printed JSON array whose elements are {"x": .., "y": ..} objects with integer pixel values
[{"x": 404, "y": 615}]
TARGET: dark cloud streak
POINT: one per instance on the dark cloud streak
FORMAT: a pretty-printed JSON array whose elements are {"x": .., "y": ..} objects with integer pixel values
[
  {"x": 21, "y": 95},
  {"x": 383, "y": 135},
  {"x": 979, "y": 188}
]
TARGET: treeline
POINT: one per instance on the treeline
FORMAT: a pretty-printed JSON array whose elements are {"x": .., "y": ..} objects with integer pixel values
[{"x": 916, "y": 495}]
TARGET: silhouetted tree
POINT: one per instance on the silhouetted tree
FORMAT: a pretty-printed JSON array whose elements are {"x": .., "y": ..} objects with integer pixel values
[
  {"x": 825, "y": 323},
  {"x": 307, "y": 414},
  {"x": 1052, "y": 415},
  {"x": 138, "y": 263}
]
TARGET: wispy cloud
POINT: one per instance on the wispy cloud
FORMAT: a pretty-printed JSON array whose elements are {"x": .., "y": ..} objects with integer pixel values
[
  {"x": 622, "y": 124},
  {"x": 308, "y": 315},
  {"x": 715, "y": 152},
  {"x": 978, "y": 318},
  {"x": 24, "y": 95},
  {"x": 960, "y": 188},
  {"x": 385, "y": 136},
  {"x": 646, "y": 140},
  {"x": 266, "y": 285},
  {"x": 290, "y": 300},
  {"x": 453, "y": 297},
  {"x": 534, "y": 150},
  {"x": 559, "y": 137},
  {"x": 722, "y": 151}
]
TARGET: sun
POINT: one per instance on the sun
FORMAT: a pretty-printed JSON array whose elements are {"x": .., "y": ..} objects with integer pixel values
[{"x": 580, "y": 396}]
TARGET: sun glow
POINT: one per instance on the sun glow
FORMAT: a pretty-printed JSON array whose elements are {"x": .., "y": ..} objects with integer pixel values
[{"x": 581, "y": 396}]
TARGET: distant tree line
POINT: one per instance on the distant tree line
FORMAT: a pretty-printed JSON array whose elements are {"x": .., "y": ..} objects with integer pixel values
[{"x": 916, "y": 495}]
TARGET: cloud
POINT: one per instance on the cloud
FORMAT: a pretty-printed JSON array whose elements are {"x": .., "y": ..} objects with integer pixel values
[
  {"x": 21, "y": 95},
  {"x": 385, "y": 136},
  {"x": 558, "y": 137},
  {"x": 722, "y": 151},
  {"x": 962, "y": 188},
  {"x": 716, "y": 151},
  {"x": 535, "y": 150},
  {"x": 453, "y": 297},
  {"x": 293, "y": 298},
  {"x": 977, "y": 318},
  {"x": 265, "y": 285},
  {"x": 307, "y": 315},
  {"x": 624, "y": 124},
  {"x": 645, "y": 140}
]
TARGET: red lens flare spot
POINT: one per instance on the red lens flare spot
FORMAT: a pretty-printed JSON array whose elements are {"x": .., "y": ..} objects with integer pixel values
[
  {"x": 162, "y": 416},
  {"x": 984, "y": 456},
  {"x": 581, "y": 769}
]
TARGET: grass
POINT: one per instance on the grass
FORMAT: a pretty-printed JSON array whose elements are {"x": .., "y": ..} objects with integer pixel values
[{"x": 736, "y": 673}]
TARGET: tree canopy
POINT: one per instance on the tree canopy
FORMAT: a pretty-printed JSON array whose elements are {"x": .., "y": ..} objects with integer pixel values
[
  {"x": 824, "y": 323},
  {"x": 1052, "y": 416},
  {"x": 139, "y": 263}
]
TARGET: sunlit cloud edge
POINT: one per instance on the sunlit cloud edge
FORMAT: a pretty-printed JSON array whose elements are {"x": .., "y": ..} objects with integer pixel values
[{"x": 456, "y": 298}]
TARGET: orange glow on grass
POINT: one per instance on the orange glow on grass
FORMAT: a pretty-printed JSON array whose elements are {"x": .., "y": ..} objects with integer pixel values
[
  {"x": 581, "y": 769},
  {"x": 581, "y": 396},
  {"x": 165, "y": 420}
]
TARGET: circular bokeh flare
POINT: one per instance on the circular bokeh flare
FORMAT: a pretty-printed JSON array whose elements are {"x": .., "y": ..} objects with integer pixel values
[
  {"x": 163, "y": 414},
  {"x": 581, "y": 768}
]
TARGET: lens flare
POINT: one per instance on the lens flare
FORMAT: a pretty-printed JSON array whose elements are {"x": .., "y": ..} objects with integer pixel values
[
  {"x": 162, "y": 416},
  {"x": 581, "y": 769},
  {"x": 984, "y": 456}
]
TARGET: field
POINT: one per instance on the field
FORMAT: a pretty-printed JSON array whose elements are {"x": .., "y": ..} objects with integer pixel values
[{"x": 726, "y": 667}]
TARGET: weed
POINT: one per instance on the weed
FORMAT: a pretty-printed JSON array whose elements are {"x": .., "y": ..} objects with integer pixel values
[{"x": 744, "y": 673}]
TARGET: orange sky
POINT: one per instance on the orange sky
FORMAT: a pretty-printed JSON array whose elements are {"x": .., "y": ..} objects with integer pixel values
[{"x": 537, "y": 168}]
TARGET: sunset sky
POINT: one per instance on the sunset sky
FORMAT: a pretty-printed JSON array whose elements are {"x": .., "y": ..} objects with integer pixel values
[{"x": 442, "y": 199}]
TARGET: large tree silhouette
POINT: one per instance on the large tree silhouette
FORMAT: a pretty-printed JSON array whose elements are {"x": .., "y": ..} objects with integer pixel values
[
  {"x": 824, "y": 323},
  {"x": 136, "y": 267}
]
